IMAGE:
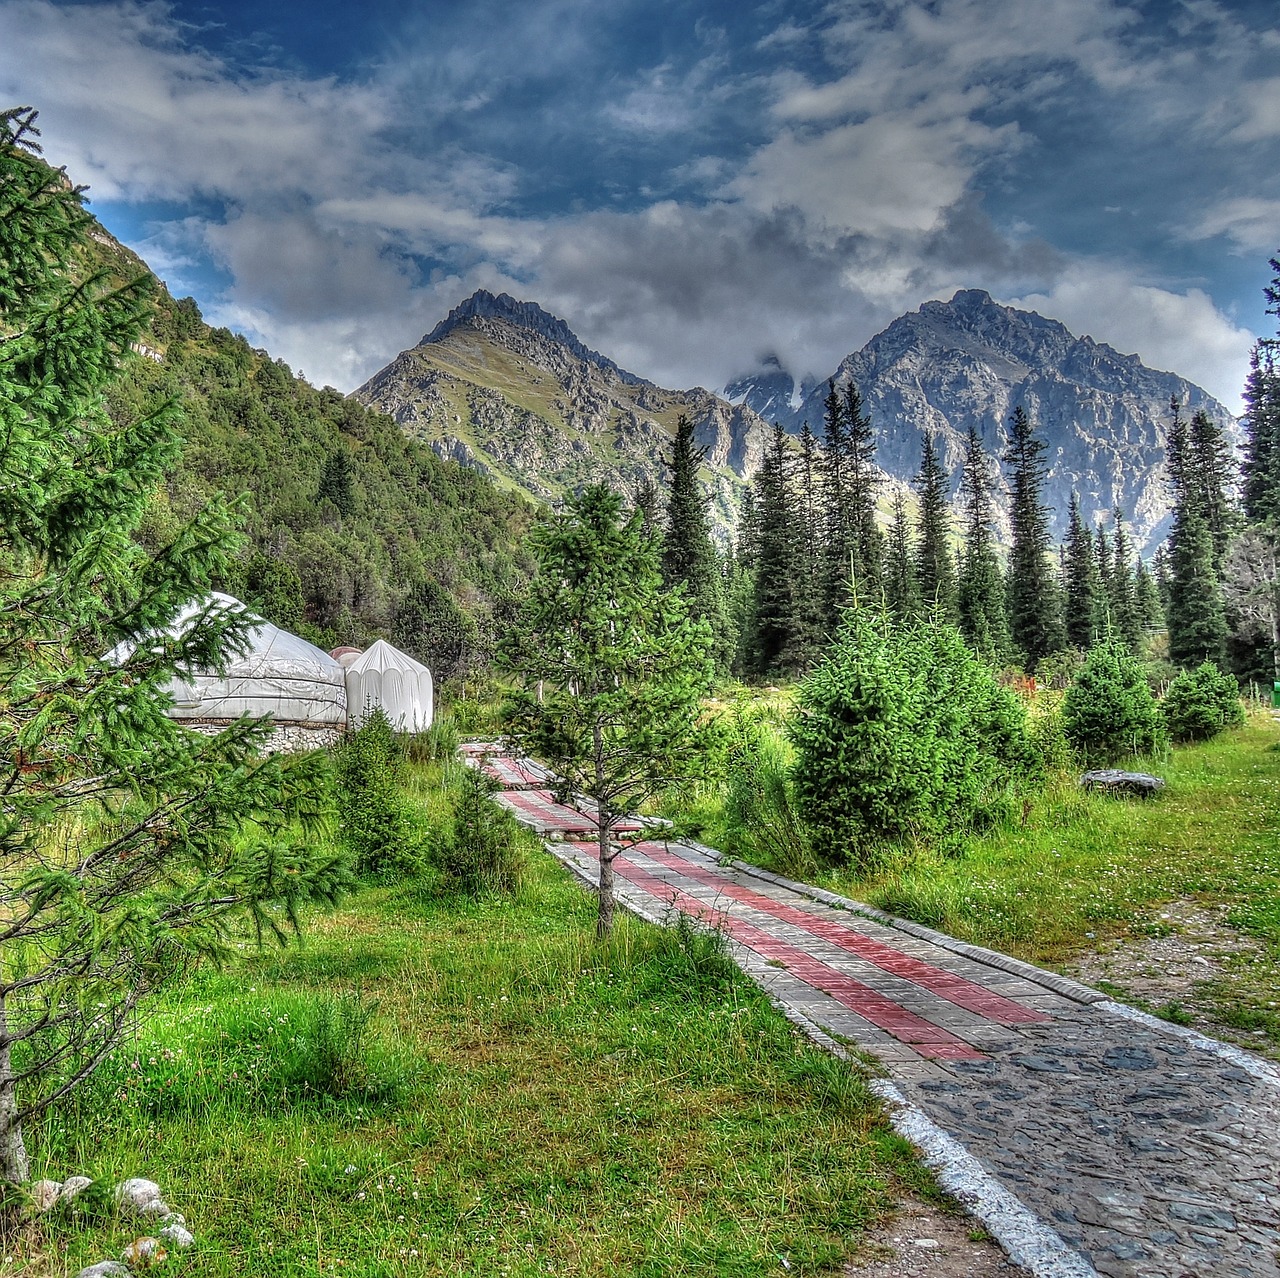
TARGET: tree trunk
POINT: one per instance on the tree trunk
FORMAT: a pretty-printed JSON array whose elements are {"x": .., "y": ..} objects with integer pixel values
[
  {"x": 604, "y": 818},
  {"x": 13, "y": 1153},
  {"x": 604, "y": 918}
]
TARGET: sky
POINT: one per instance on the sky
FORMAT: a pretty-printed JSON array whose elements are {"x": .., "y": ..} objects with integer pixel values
[{"x": 693, "y": 186}]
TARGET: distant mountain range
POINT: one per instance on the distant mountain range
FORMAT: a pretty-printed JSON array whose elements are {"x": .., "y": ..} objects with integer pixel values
[
  {"x": 1103, "y": 416},
  {"x": 506, "y": 387}
]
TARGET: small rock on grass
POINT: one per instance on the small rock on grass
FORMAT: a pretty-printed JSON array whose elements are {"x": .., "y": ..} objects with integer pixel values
[
  {"x": 141, "y": 1197},
  {"x": 73, "y": 1187},
  {"x": 105, "y": 1269},
  {"x": 177, "y": 1235}
]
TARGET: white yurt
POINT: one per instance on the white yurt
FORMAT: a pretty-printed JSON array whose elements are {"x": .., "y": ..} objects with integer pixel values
[
  {"x": 279, "y": 674},
  {"x": 385, "y": 677}
]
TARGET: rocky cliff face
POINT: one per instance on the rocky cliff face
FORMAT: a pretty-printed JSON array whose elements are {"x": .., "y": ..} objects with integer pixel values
[
  {"x": 505, "y": 387},
  {"x": 1102, "y": 415}
]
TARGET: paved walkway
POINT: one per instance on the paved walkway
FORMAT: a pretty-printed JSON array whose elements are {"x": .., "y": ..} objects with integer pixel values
[{"x": 1089, "y": 1138}]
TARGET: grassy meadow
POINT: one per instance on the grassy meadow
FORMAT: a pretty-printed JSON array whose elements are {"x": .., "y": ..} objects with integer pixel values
[{"x": 449, "y": 1086}]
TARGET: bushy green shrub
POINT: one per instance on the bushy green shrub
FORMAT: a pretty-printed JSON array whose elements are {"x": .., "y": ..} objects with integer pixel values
[
  {"x": 1201, "y": 703},
  {"x": 902, "y": 731},
  {"x": 484, "y": 849},
  {"x": 375, "y": 822},
  {"x": 1109, "y": 712},
  {"x": 437, "y": 744}
]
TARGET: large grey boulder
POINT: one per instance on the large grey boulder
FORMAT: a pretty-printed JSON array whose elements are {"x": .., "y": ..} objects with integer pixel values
[
  {"x": 105, "y": 1269},
  {"x": 1112, "y": 781},
  {"x": 140, "y": 1197}
]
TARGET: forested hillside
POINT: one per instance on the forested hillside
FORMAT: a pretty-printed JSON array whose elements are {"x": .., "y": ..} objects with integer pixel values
[{"x": 353, "y": 531}]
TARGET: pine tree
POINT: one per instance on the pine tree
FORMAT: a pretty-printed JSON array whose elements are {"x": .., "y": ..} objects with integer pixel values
[
  {"x": 336, "y": 482},
  {"x": 810, "y": 613},
  {"x": 935, "y": 570},
  {"x": 1196, "y": 617},
  {"x": 1125, "y": 616},
  {"x": 1261, "y": 423},
  {"x": 688, "y": 557},
  {"x": 853, "y": 545},
  {"x": 611, "y": 669},
  {"x": 1035, "y": 626},
  {"x": 838, "y": 513},
  {"x": 979, "y": 586},
  {"x": 1079, "y": 582},
  {"x": 1146, "y": 594},
  {"x": 130, "y": 844},
  {"x": 864, "y": 483},
  {"x": 774, "y": 631},
  {"x": 1211, "y": 468},
  {"x": 901, "y": 591}
]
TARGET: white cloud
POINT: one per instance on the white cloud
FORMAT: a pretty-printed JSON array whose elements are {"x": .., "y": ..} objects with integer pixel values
[
  {"x": 1178, "y": 332},
  {"x": 1253, "y": 223}
]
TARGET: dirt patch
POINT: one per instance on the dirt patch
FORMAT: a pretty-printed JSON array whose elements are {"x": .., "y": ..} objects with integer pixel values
[
  {"x": 1194, "y": 968},
  {"x": 925, "y": 1241},
  {"x": 1192, "y": 943}
]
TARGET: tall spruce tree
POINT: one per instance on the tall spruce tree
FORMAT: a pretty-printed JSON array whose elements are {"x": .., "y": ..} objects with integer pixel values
[
  {"x": 935, "y": 569},
  {"x": 980, "y": 586},
  {"x": 774, "y": 631},
  {"x": 1106, "y": 586},
  {"x": 810, "y": 613},
  {"x": 1146, "y": 594},
  {"x": 1195, "y": 612},
  {"x": 1125, "y": 616},
  {"x": 130, "y": 844},
  {"x": 1260, "y": 495},
  {"x": 864, "y": 484},
  {"x": 1211, "y": 469},
  {"x": 1035, "y": 624},
  {"x": 1079, "y": 582},
  {"x": 901, "y": 591},
  {"x": 688, "y": 557},
  {"x": 837, "y": 547}
]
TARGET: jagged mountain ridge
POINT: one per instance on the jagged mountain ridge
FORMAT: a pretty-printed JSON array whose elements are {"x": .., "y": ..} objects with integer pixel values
[
  {"x": 507, "y": 388},
  {"x": 1102, "y": 415}
]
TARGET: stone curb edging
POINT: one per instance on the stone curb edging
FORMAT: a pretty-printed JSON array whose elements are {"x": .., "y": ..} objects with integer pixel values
[
  {"x": 1051, "y": 981},
  {"x": 1026, "y": 1239},
  {"x": 1023, "y": 1236}
]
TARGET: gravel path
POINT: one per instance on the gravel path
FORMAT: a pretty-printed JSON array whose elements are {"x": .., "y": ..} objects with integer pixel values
[{"x": 1088, "y": 1137}]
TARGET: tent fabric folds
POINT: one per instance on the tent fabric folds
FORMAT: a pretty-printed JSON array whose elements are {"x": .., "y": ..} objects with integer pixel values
[
  {"x": 279, "y": 674},
  {"x": 385, "y": 677}
]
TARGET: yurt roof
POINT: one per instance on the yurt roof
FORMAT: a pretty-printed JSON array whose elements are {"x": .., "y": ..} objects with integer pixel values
[{"x": 380, "y": 655}]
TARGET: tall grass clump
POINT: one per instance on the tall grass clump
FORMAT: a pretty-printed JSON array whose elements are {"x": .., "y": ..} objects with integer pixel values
[
  {"x": 902, "y": 732},
  {"x": 761, "y": 823}
]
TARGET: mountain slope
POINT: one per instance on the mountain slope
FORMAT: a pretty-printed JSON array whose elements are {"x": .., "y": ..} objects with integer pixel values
[
  {"x": 1103, "y": 415},
  {"x": 344, "y": 516},
  {"x": 507, "y": 388}
]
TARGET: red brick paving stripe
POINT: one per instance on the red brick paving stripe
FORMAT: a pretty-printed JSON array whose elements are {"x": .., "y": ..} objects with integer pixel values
[
  {"x": 540, "y": 806},
  {"x": 508, "y": 773},
  {"x": 955, "y": 989},
  {"x": 923, "y": 1036}
]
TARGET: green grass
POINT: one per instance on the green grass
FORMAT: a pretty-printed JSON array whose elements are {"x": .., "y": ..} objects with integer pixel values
[{"x": 515, "y": 1101}]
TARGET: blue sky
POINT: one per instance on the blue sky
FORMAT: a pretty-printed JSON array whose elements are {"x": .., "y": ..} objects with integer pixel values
[{"x": 692, "y": 186}]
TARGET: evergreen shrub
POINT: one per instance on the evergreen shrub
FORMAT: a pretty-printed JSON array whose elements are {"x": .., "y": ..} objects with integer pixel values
[
  {"x": 1108, "y": 711},
  {"x": 1201, "y": 703},
  {"x": 902, "y": 731},
  {"x": 484, "y": 850},
  {"x": 375, "y": 822}
]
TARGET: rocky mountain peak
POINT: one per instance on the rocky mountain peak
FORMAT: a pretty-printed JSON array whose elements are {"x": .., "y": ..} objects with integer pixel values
[{"x": 482, "y": 305}]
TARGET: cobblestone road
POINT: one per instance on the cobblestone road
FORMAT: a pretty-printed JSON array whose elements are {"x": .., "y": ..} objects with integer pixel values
[{"x": 1148, "y": 1150}]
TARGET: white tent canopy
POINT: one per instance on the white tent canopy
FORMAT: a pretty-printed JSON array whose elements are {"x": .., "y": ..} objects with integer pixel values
[
  {"x": 279, "y": 674},
  {"x": 390, "y": 679}
]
